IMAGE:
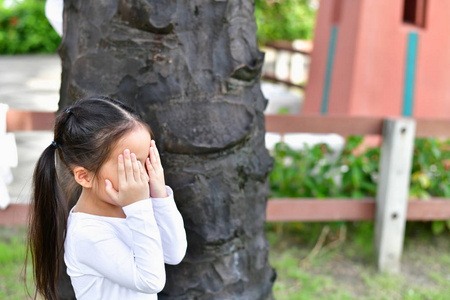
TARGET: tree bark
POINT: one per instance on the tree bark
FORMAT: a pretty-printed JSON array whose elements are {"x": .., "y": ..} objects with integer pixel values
[{"x": 192, "y": 69}]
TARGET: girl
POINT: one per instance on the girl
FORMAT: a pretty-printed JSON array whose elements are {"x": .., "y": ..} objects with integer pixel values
[{"x": 125, "y": 224}]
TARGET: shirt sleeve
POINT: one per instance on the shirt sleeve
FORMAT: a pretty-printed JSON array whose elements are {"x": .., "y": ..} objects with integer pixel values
[
  {"x": 171, "y": 228},
  {"x": 138, "y": 268}
]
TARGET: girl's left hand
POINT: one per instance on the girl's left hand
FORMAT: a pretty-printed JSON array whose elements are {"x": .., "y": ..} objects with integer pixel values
[
  {"x": 156, "y": 173},
  {"x": 132, "y": 180}
]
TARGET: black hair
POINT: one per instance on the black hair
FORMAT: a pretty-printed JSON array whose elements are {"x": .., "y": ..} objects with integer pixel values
[{"x": 84, "y": 135}]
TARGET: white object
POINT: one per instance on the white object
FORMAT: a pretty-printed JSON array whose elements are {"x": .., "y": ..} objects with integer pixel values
[
  {"x": 8, "y": 158},
  {"x": 281, "y": 98},
  {"x": 114, "y": 258},
  {"x": 54, "y": 14},
  {"x": 298, "y": 141},
  {"x": 392, "y": 192}
]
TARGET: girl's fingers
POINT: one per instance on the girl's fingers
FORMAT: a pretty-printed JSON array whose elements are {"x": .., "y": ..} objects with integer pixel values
[
  {"x": 143, "y": 174},
  {"x": 153, "y": 159},
  {"x": 149, "y": 167},
  {"x": 128, "y": 164},
  {"x": 111, "y": 191},
  {"x": 158, "y": 159},
  {"x": 121, "y": 169},
  {"x": 136, "y": 169}
]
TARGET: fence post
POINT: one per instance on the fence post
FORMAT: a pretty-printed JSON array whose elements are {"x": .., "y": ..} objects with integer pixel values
[{"x": 393, "y": 192}]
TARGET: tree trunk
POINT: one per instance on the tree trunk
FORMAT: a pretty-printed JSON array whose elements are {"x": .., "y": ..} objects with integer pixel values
[{"x": 192, "y": 69}]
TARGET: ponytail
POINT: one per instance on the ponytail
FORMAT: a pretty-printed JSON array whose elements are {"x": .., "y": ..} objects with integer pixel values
[
  {"x": 84, "y": 134},
  {"x": 47, "y": 224}
]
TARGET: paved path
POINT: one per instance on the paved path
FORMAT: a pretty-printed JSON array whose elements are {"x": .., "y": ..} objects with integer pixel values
[{"x": 29, "y": 82}]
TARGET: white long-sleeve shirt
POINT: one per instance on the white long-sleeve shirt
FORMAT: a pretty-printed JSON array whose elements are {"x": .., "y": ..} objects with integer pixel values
[{"x": 123, "y": 258}]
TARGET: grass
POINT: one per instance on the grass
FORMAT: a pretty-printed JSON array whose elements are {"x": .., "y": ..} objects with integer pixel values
[
  {"x": 344, "y": 268},
  {"x": 340, "y": 266},
  {"x": 12, "y": 257}
]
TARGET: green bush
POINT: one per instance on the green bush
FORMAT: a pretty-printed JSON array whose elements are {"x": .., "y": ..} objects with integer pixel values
[
  {"x": 284, "y": 20},
  {"x": 431, "y": 169},
  {"x": 314, "y": 173},
  {"x": 25, "y": 29}
]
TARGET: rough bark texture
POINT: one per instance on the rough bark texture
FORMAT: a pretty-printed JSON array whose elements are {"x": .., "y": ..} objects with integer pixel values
[{"x": 191, "y": 68}]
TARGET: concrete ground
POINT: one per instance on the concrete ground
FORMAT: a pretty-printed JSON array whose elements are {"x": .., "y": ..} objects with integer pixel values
[{"x": 29, "y": 83}]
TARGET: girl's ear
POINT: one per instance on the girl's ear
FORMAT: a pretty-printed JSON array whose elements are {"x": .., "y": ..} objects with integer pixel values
[{"x": 83, "y": 177}]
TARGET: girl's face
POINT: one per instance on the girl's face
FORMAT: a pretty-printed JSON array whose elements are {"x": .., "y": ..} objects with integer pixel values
[{"x": 138, "y": 142}]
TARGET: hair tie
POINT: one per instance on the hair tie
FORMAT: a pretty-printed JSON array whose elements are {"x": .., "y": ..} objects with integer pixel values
[
  {"x": 68, "y": 110},
  {"x": 54, "y": 144}
]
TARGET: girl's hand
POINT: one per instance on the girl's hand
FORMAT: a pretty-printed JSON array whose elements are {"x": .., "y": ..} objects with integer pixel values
[
  {"x": 133, "y": 180},
  {"x": 155, "y": 173}
]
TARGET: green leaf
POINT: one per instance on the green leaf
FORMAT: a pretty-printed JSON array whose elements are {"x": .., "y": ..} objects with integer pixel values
[
  {"x": 284, "y": 20},
  {"x": 25, "y": 29},
  {"x": 437, "y": 227}
]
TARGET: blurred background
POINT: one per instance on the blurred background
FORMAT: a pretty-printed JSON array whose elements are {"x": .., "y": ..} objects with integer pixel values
[{"x": 322, "y": 57}]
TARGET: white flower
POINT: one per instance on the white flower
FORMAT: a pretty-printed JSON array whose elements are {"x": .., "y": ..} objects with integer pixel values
[
  {"x": 344, "y": 169},
  {"x": 287, "y": 161}
]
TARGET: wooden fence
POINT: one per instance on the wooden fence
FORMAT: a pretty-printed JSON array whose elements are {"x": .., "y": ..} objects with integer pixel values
[
  {"x": 21, "y": 120},
  {"x": 390, "y": 209},
  {"x": 304, "y": 209},
  {"x": 286, "y": 47}
]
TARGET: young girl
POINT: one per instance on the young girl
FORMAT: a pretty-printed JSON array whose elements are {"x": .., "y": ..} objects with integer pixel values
[{"x": 125, "y": 224}]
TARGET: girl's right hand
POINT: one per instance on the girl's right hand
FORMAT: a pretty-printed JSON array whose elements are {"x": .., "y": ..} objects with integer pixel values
[{"x": 133, "y": 180}]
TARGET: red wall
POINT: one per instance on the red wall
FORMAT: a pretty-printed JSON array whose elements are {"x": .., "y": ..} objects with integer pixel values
[
  {"x": 433, "y": 66},
  {"x": 318, "y": 63},
  {"x": 368, "y": 75}
]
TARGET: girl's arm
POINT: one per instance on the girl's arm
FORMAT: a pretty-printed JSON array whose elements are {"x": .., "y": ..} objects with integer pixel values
[
  {"x": 99, "y": 252},
  {"x": 141, "y": 267},
  {"x": 171, "y": 228},
  {"x": 167, "y": 216}
]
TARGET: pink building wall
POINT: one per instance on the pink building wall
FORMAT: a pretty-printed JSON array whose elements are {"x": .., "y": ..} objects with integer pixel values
[
  {"x": 368, "y": 74},
  {"x": 433, "y": 76}
]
